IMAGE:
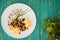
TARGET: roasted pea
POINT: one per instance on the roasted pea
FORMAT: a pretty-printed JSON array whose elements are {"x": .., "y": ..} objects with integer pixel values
[
  {"x": 23, "y": 28},
  {"x": 23, "y": 19},
  {"x": 18, "y": 23},
  {"x": 15, "y": 21}
]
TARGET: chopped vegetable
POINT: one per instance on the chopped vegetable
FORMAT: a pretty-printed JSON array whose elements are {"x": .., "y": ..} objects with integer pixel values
[
  {"x": 11, "y": 27},
  {"x": 16, "y": 30},
  {"x": 28, "y": 22}
]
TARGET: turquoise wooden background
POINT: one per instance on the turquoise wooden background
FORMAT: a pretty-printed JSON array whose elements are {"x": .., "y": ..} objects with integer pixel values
[{"x": 42, "y": 9}]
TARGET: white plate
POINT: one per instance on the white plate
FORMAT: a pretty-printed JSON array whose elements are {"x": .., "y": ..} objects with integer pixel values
[{"x": 30, "y": 14}]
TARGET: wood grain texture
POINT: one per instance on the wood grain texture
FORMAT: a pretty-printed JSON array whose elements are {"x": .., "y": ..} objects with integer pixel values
[{"x": 42, "y": 8}]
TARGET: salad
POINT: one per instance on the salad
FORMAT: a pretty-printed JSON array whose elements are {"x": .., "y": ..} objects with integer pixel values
[
  {"x": 52, "y": 27},
  {"x": 17, "y": 23}
]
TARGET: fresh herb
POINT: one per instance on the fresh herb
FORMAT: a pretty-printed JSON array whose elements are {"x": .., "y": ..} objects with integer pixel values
[
  {"x": 21, "y": 13},
  {"x": 52, "y": 26}
]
